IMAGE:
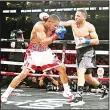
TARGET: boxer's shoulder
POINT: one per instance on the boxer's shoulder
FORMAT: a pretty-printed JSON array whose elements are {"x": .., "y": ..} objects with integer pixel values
[
  {"x": 89, "y": 24},
  {"x": 38, "y": 26}
]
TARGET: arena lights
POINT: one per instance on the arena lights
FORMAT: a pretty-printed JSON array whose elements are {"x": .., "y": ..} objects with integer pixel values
[
  {"x": 28, "y": 11},
  {"x": 8, "y": 3},
  {"x": 93, "y": 8},
  {"x": 83, "y": 8},
  {"x": 5, "y": 11},
  {"x": 103, "y": 8},
  {"x": 9, "y": 11},
  {"x": 12, "y": 18},
  {"x": 12, "y": 11},
  {"x": 28, "y": 3},
  {"x": 6, "y": 18},
  {"x": 9, "y": 19},
  {"x": 58, "y": 9}
]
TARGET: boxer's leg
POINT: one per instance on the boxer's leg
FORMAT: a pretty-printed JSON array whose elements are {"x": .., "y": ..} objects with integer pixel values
[
  {"x": 64, "y": 80},
  {"x": 15, "y": 82},
  {"x": 81, "y": 79},
  {"x": 91, "y": 80}
]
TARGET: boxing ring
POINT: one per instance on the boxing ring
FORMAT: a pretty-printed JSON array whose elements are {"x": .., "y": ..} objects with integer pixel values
[{"x": 31, "y": 92}]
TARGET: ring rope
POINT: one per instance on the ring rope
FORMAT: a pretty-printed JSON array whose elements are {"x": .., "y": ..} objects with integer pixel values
[
  {"x": 55, "y": 51},
  {"x": 63, "y": 52},
  {"x": 57, "y": 41},
  {"x": 44, "y": 75},
  {"x": 67, "y": 65}
]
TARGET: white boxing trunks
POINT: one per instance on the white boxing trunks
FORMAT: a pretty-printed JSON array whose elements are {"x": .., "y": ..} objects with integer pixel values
[{"x": 40, "y": 56}]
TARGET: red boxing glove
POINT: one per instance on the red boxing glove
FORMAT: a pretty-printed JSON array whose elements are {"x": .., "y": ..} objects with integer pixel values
[{"x": 54, "y": 37}]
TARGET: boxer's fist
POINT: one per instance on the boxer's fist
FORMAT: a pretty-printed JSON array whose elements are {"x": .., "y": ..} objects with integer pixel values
[
  {"x": 84, "y": 41},
  {"x": 60, "y": 31}
]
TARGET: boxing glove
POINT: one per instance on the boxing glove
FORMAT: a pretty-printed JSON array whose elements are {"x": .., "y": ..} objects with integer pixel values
[
  {"x": 59, "y": 33},
  {"x": 43, "y": 16},
  {"x": 84, "y": 41}
]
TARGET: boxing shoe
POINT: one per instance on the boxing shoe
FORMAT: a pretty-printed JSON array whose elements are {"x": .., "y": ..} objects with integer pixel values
[
  {"x": 3, "y": 99},
  {"x": 104, "y": 93},
  {"x": 68, "y": 95},
  {"x": 65, "y": 94},
  {"x": 77, "y": 100}
]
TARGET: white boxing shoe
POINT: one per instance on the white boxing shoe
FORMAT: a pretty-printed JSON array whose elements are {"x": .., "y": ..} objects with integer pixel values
[
  {"x": 65, "y": 94},
  {"x": 70, "y": 96},
  {"x": 3, "y": 99}
]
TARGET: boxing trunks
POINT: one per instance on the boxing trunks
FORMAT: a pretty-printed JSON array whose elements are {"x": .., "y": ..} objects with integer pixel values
[
  {"x": 86, "y": 57},
  {"x": 37, "y": 55}
]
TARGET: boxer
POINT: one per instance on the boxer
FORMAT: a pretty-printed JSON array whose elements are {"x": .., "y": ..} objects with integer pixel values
[
  {"x": 85, "y": 36},
  {"x": 39, "y": 54}
]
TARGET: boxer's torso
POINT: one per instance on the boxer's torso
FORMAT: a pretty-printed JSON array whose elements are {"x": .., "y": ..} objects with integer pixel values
[
  {"x": 78, "y": 32},
  {"x": 35, "y": 38}
]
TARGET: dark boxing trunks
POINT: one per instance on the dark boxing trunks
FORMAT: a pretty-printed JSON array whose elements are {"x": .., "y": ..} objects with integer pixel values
[{"x": 86, "y": 57}]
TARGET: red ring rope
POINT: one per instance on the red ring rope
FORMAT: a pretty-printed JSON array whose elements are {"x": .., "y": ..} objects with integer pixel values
[{"x": 44, "y": 75}]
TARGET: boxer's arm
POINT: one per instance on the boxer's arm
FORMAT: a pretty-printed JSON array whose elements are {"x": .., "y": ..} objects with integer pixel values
[
  {"x": 49, "y": 40},
  {"x": 94, "y": 37},
  {"x": 46, "y": 41},
  {"x": 37, "y": 34},
  {"x": 66, "y": 23},
  {"x": 59, "y": 33}
]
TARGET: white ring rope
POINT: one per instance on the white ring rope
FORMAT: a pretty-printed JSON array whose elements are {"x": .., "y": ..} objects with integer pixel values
[
  {"x": 67, "y": 65},
  {"x": 57, "y": 41},
  {"x": 63, "y": 51},
  {"x": 55, "y": 51}
]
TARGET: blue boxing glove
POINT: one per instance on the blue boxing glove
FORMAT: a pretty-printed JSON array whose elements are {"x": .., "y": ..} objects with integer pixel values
[
  {"x": 60, "y": 31},
  {"x": 84, "y": 41}
]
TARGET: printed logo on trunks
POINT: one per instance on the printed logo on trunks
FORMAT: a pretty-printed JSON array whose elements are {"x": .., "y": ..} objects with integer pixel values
[{"x": 39, "y": 48}]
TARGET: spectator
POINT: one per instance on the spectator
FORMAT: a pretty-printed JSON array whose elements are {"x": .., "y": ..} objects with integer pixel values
[
  {"x": 16, "y": 56},
  {"x": 100, "y": 72}
]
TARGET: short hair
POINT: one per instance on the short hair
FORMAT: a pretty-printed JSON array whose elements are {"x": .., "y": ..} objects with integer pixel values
[
  {"x": 83, "y": 11},
  {"x": 54, "y": 17}
]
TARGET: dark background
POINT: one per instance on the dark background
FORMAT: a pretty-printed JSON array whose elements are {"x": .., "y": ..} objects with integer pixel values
[{"x": 25, "y": 21}]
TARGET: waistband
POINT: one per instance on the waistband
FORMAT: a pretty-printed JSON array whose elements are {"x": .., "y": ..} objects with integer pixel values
[
  {"x": 39, "y": 48},
  {"x": 85, "y": 48}
]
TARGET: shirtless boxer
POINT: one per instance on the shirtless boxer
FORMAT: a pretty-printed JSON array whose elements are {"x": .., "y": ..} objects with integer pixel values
[
  {"x": 39, "y": 54},
  {"x": 85, "y": 36}
]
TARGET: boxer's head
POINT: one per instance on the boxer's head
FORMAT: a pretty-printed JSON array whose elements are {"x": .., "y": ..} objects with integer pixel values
[
  {"x": 80, "y": 15},
  {"x": 52, "y": 22}
]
